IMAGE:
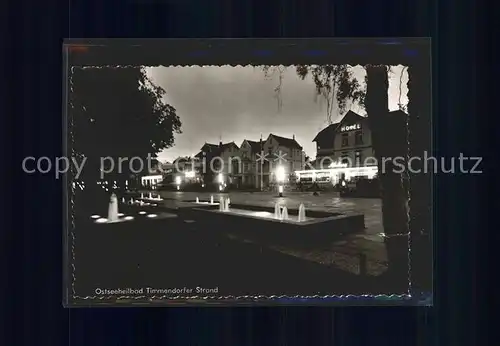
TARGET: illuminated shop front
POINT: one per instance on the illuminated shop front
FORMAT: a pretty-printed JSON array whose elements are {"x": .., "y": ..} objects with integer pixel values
[
  {"x": 151, "y": 181},
  {"x": 332, "y": 176}
]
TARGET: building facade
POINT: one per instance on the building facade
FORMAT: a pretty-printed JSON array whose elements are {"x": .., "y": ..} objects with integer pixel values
[
  {"x": 249, "y": 153},
  {"x": 252, "y": 164},
  {"x": 347, "y": 141},
  {"x": 345, "y": 148},
  {"x": 259, "y": 160},
  {"x": 219, "y": 160},
  {"x": 284, "y": 152}
]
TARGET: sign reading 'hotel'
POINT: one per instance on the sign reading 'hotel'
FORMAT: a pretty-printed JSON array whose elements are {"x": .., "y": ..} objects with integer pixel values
[{"x": 350, "y": 127}]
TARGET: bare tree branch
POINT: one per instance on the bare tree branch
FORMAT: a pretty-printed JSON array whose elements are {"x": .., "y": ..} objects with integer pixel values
[{"x": 270, "y": 72}]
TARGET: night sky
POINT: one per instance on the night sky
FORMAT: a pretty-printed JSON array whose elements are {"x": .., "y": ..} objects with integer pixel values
[{"x": 237, "y": 103}]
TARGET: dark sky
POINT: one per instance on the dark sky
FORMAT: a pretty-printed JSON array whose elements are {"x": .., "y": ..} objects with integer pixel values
[{"x": 237, "y": 103}]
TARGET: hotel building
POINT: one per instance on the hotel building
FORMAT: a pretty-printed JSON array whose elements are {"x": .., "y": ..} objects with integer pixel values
[
  {"x": 345, "y": 149},
  {"x": 347, "y": 141}
]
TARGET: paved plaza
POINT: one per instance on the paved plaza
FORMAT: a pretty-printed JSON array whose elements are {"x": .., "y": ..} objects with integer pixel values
[{"x": 344, "y": 253}]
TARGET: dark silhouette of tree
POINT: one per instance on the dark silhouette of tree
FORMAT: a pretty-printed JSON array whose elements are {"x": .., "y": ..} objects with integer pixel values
[
  {"x": 392, "y": 188},
  {"x": 118, "y": 113}
]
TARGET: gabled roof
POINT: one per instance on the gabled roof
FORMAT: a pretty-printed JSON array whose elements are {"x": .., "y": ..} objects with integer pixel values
[
  {"x": 327, "y": 131},
  {"x": 215, "y": 148},
  {"x": 228, "y": 145},
  {"x": 349, "y": 117},
  {"x": 286, "y": 142},
  {"x": 255, "y": 146}
]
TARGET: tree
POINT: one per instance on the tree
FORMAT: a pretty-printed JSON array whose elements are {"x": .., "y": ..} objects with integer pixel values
[
  {"x": 118, "y": 113},
  {"x": 393, "y": 192}
]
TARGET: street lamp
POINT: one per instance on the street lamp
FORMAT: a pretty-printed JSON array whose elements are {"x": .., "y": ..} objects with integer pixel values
[
  {"x": 220, "y": 179},
  {"x": 178, "y": 181},
  {"x": 280, "y": 177}
]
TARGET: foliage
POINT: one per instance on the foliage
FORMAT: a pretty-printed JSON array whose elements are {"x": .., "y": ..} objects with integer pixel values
[
  {"x": 336, "y": 84},
  {"x": 118, "y": 112},
  {"x": 269, "y": 71}
]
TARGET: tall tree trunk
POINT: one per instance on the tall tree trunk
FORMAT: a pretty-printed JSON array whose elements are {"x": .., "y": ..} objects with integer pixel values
[{"x": 393, "y": 193}]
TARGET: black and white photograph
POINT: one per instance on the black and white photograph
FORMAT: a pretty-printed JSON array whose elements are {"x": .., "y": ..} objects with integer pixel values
[{"x": 244, "y": 182}]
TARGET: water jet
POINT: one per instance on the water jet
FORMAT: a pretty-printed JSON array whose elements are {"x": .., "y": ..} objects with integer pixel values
[
  {"x": 302, "y": 213},
  {"x": 284, "y": 213}
]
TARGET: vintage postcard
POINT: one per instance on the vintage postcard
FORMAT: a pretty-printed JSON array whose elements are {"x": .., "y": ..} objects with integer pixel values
[{"x": 248, "y": 172}]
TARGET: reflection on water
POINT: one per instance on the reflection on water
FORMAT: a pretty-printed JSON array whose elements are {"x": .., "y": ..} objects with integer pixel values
[{"x": 264, "y": 215}]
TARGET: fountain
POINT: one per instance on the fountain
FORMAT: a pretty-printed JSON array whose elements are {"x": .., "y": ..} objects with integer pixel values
[
  {"x": 284, "y": 214},
  {"x": 115, "y": 217},
  {"x": 211, "y": 199},
  {"x": 288, "y": 225},
  {"x": 142, "y": 195},
  {"x": 198, "y": 200},
  {"x": 113, "y": 209},
  {"x": 302, "y": 213},
  {"x": 224, "y": 204},
  {"x": 277, "y": 211}
]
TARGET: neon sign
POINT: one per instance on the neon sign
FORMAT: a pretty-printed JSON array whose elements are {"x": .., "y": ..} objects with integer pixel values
[
  {"x": 350, "y": 127},
  {"x": 338, "y": 165}
]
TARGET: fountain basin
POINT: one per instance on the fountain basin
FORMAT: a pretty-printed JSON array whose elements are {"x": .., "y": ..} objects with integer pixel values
[
  {"x": 134, "y": 214},
  {"x": 203, "y": 202},
  {"x": 259, "y": 223}
]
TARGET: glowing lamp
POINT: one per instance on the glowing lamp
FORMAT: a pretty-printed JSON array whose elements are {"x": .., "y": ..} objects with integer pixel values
[{"x": 280, "y": 173}]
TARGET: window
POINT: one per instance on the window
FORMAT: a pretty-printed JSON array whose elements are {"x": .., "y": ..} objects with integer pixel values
[
  {"x": 235, "y": 168},
  {"x": 358, "y": 158},
  {"x": 358, "y": 138},
  {"x": 345, "y": 139},
  {"x": 344, "y": 158}
]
